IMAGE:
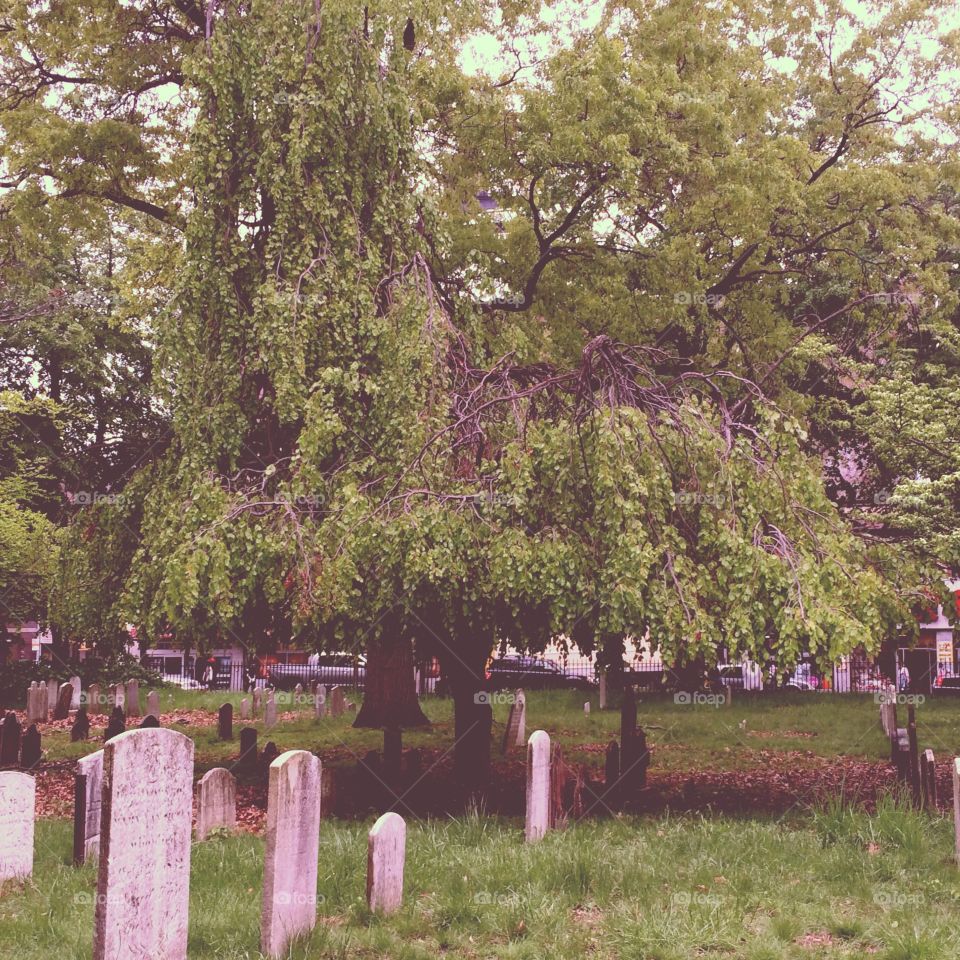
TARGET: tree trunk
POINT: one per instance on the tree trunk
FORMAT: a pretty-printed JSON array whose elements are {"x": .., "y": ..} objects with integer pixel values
[{"x": 389, "y": 693}]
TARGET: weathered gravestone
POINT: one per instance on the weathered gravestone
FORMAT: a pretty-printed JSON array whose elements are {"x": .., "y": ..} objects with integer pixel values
[
  {"x": 270, "y": 712},
  {"x": 118, "y": 697},
  {"x": 52, "y": 690},
  {"x": 10, "y": 733},
  {"x": 94, "y": 700},
  {"x": 217, "y": 802},
  {"x": 153, "y": 704},
  {"x": 928, "y": 779},
  {"x": 18, "y": 793},
  {"x": 515, "y": 723},
  {"x": 603, "y": 689},
  {"x": 143, "y": 879},
  {"x": 81, "y": 726},
  {"x": 292, "y": 843},
  {"x": 586, "y": 708},
  {"x": 244, "y": 709},
  {"x": 76, "y": 699},
  {"x": 319, "y": 702},
  {"x": 30, "y": 752},
  {"x": 88, "y": 786},
  {"x": 298, "y": 693},
  {"x": 117, "y": 724},
  {"x": 386, "y": 849},
  {"x": 131, "y": 706},
  {"x": 257, "y": 702},
  {"x": 149, "y": 722},
  {"x": 956, "y": 809},
  {"x": 248, "y": 748},
  {"x": 338, "y": 702},
  {"x": 33, "y": 702},
  {"x": 520, "y": 698},
  {"x": 225, "y": 722},
  {"x": 64, "y": 698},
  {"x": 538, "y": 786}
]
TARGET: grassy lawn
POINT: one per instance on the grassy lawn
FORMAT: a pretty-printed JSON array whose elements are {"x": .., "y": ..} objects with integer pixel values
[
  {"x": 683, "y": 736},
  {"x": 837, "y": 884}
]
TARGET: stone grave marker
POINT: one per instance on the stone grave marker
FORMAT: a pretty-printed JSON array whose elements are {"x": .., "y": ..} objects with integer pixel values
[
  {"x": 248, "y": 748},
  {"x": 298, "y": 692},
  {"x": 10, "y": 733},
  {"x": 586, "y": 708},
  {"x": 338, "y": 702},
  {"x": 538, "y": 786},
  {"x": 319, "y": 702},
  {"x": 386, "y": 849},
  {"x": 520, "y": 698},
  {"x": 117, "y": 724},
  {"x": 217, "y": 802},
  {"x": 81, "y": 726},
  {"x": 270, "y": 712},
  {"x": 225, "y": 722},
  {"x": 18, "y": 794},
  {"x": 928, "y": 768},
  {"x": 603, "y": 689},
  {"x": 118, "y": 697},
  {"x": 77, "y": 693},
  {"x": 33, "y": 705},
  {"x": 94, "y": 700},
  {"x": 53, "y": 688},
  {"x": 245, "y": 709},
  {"x": 64, "y": 698},
  {"x": 149, "y": 722},
  {"x": 30, "y": 751},
  {"x": 86, "y": 809},
  {"x": 153, "y": 704},
  {"x": 131, "y": 706},
  {"x": 292, "y": 844},
  {"x": 257, "y": 701},
  {"x": 143, "y": 879}
]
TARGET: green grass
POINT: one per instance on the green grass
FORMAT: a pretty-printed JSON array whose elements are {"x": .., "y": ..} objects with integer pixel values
[
  {"x": 836, "y": 884},
  {"x": 684, "y": 737}
]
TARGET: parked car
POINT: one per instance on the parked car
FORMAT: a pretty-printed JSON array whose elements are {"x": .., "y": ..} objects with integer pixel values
[
  {"x": 948, "y": 686},
  {"x": 534, "y": 673},
  {"x": 326, "y": 668}
]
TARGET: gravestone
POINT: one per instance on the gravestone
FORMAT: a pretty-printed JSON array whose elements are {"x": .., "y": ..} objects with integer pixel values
[
  {"x": 81, "y": 726},
  {"x": 118, "y": 697},
  {"x": 225, "y": 722},
  {"x": 18, "y": 796},
  {"x": 513, "y": 726},
  {"x": 538, "y": 786},
  {"x": 244, "y": 709},
  {"x": 386, "y": 849},
  {"x": 53, "y": 688},
  {"x": 929, "y": 780},
  {"x": 10, "y": 733},
  {"x": 75, "y": 700},
  {"x": 292, "y": 844},
  {"x": 956, "y": 809},
  {"x": 94, "y": 700},
  {"x": 248, "y": 748},
  {"x": 270, "y": 712},
  {"x": 149, "y": 722},
  {"x": 298, "y": 693},
  {"x": 338, "y": 702},
  {"x": 257, "y": 701},
  {"x": 86, "y": 811},
  {"x": 33, "y": 702},
  {"x": 915, "y": 787},
  {"x": 131, "y": 705},
  {"x": 520, "y": 698},
  {"x": 586, "y": 708},
  {"x": 603, "y": 689},
  {"x": 143, "y": 879},
  {"x": 117, "y": 724},
  {"x": 153, "y": 704},
  {"x": 217, "y": 802},
  {"x": 64, "y": 698},
  {"x": 30, "y": 751},
  {"x": 319, "y": 702}
]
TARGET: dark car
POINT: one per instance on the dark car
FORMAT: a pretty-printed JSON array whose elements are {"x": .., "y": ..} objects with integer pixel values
[
  {"x": 948, "y": 686},
  {"x": 533, "y": 673},
  {"x": 325, "y": 668}
]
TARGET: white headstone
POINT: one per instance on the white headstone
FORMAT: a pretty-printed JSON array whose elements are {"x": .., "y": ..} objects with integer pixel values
[
  {"x": 586, "y": 708},
  {"x": 217, "y": 802},
  {"x": 44, "y": 701},
  {"x": 119, "y": 698},
  {"x": 153, "y": 704},
  {"x": 33, "y": 702},
  {"x": 521, "y": 702},
  {"x": 292, "y": 845},
  {"x": 18, "y": 794},
  {"x": 270, "y": 712},
  {"x": 77, "y": 691},
  {"x": 386, "y": 848},
  {"x": 257, "y": 701},
  {"x": 245, "y": 709},
  {"x": 603, "y": 689},
  {"x": 956, "y": 806},
  {"x": 52, "y": 689},
  {"x": 320, "y": 702},
  {"x": 143, "y": 881},
  {"x": 538, "y": 786},
  {"x": 132, "y": 699},
  {"x": 91, "y": 767}
]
